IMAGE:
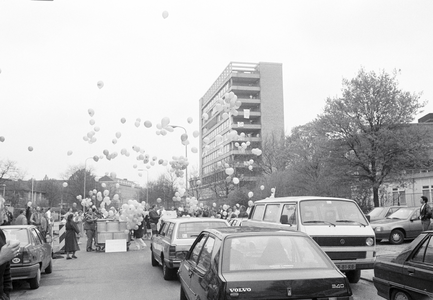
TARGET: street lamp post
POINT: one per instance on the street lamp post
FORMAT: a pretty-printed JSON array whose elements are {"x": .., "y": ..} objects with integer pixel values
[
  {"x": 85, "y": 173},
  {"x": 186, "y": 156},
  {"x": 147, "y": 183}
]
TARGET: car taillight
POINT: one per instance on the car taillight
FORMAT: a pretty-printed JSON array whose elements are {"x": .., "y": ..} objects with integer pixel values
[
  {"x": 172, "y": 251},
  {"x": 27, "y": 257}
]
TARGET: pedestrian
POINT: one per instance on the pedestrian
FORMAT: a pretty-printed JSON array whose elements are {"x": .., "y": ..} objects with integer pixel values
[
  {"x": 29, "y": 212},
  {"x": 89, "y": 224},
  {"x": 8, "y": 251},
  {"x": 243, "y": 212},
  {"x": 44, "y": 224},
  {"x": 147, "y": 224},
  {"x": 8, "y": 217},
  {"x": 71, "y": 245},
  {"x": 153, "y": 218},
  {"x": 21, "y": 219},
  {"x": 78, "y": 219},
  {"x": 36, "y": 218},
  {"x": 425, "y": 213},
  {"x": 50, "y": 221},
  {"x": 138, "y": 235}
]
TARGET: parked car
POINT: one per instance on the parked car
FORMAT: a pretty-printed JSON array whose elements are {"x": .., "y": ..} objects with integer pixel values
[
  {"x": 237, "y": 221},
  {"x": 169, "y": 247},
  {"x": 35, "y": 253},
  {"x": 408, "y": 275},
  {"x": 379, "y": 213},
  {"x": 402, "y": 225},
  {"x": 338, "y": 225},
  {"x": 259, "y": 263}
]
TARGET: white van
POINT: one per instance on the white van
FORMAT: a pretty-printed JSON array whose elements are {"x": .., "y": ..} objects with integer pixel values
[{"x": 338, "y": 225}]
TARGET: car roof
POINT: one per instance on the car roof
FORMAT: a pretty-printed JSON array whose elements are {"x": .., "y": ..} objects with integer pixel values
[
  {"x": 193, "y": 219},
  {"x": 251, "y": 230},
  {"x": 299, "y": 198},
  {"x": 17, "y": 226}
]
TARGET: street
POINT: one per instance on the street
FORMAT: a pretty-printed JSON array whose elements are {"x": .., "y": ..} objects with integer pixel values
[{"x": 129, "y": 275}]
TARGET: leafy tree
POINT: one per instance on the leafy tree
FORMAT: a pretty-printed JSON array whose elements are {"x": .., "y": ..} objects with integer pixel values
[
  {"x": 9, "y": 170},
  {"x": 370, "y": 126},
  {"x": 274, "y": 153}
]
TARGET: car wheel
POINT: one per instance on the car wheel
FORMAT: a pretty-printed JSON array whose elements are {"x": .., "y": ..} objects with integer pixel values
[
  {"x": 353, "y": 276},
  {"x": 154, "y": 261},
  {"x": 182, "y": 294},
  {"x": 34, "y": 282},
  {"x": 167, "y": 273},
  {"x": 396, "y": 237},
  {"x": 400, "y": 295},
  {"x": 49, "y": 268}
]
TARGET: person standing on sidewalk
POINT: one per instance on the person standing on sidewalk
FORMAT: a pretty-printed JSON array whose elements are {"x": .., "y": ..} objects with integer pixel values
[
  {"x": 89, "y": 223},
  {"x": 71, "y": 245},
  {"x": 153, "y": 218},
  {"x": 425, "y": 213}
]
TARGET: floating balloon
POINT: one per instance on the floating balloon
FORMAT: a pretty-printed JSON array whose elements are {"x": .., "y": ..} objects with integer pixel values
[
  {"x": 158, "y": 200},
  {"x": 262, "y": 187},
  {"x": 195, "y": 134},
  {"x": 96, "y": 158},
  {"x": 96, "y": 128},
  {"x": 123, "y": 120},
  {"x": 2, "y": 139},
  {"x": 91, "y": 112},
  {"x": 100, "y": 84},
  {"x": 250, "y": 194},
  {"x": 235, "y": 180},
  {"x": 118, "y": 135},
  {"x": 30, "y": 148},
  {"x": 92, "y": 122},
  {"x": 165, "y": 14},
  {"x": 189, "y": 120},
  {"x": 69, "y": 152},
  {"x": 230, "y": 171},
  {"x": 194, "y": 149},
  {"x": 147, "y": 124},
  {"x": 165, "y": 121},
  {"x": 205, "y": 116},
  {"x": 65, "y": 184}
]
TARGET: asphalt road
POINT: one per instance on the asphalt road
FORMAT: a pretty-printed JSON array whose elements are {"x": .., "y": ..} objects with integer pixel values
[{"x": 129, "y": 275}]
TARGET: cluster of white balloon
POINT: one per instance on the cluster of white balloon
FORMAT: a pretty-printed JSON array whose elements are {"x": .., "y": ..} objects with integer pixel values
[
  {"x": 132, "y": 213},
  {"x": 249, "y": 164},
  {"x": 178, "y": 165}
]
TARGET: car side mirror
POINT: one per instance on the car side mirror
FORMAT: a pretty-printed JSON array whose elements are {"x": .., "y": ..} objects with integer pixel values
[{"x": 284, "y": 219}]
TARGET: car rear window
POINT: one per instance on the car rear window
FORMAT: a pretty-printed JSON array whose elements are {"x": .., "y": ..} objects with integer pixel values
[
  {"x": 272, "y": 252},
  {"x": 17, "y": 234},
  {"x": 193, "y": 229}
]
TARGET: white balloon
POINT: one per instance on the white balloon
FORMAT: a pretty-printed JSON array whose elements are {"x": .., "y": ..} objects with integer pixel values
[
  {"x": 189, "y": 120},
  {"x": 235, "y": 180},
  {"x": 165, "y": 14},
  {"x": 100, "y": 84}
]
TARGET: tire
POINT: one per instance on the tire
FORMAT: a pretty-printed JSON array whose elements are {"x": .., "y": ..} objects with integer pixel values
[
  {"x": 49, "y": 269},
  {"x": 34, "y": 282},
  {"x": 154, "y": 261},
  {"x": 396, "y": 237},
  {"x": 399, "y": 295},
  {"x": 167, "y": 273},
  {"x": 353, "y": 276},
  {"x": 182, "y": 294}
]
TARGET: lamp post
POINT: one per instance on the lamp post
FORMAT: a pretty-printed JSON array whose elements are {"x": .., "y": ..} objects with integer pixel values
[
  {"x": 32, "y": 192},
  {"x": 186, "y": 156},
  {"x": 85, "y": 173},
  {"x": 147, "y": 182},
  {"x": 4, "y": 189}
]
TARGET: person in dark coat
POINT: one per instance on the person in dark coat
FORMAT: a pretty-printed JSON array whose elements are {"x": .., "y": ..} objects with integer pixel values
[
  {"x": 71, "y": 244},
  {"x": 138, "y": 235},
  {"x": 8, "y": 251},
  {"x": 29, "y": 212}
]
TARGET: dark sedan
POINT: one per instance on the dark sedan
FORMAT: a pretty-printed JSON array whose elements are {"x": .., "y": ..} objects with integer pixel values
[
  {"x": 35, "y": 254},
  {"x": 259, "y": 263},
  {"x": 410, "y": 274}
]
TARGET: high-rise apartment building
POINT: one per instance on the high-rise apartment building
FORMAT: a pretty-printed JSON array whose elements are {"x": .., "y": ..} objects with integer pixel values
[{"x": 259, "y": 112}]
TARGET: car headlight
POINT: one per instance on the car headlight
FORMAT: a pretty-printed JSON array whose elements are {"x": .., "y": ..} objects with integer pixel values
[
  {"x": 378, "y": 228},
  {"x": 369, "y": 241}
]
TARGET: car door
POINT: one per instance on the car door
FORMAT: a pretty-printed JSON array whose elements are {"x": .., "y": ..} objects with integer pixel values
[
  {"x": 46, "y": 250},
  {"x": 38, "y": 250},
  {"x": 200, "y": 279},
  {"x": 415, "y": 226},
  {"x": 189, "y": 264},
  {"x": 418, "y": 269},
  {"x": 158, "y": 243}
]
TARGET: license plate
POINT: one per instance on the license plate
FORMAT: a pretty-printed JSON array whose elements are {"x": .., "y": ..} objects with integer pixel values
[{"x": 346, "y": 266}]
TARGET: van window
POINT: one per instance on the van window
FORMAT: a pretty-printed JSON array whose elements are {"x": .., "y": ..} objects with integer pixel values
[
  {"x": 289, "y": 210},
  {"x": 271, "y": 212},
  {"x": 330, "y": 211},
  {"x": 258, "y": 212}
]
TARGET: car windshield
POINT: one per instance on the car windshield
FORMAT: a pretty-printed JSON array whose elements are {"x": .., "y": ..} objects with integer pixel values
[
  {"x": 192, "y": 229},
  {"x": 376, "y": 212},
  {"x": 331, "y": 212},
  {"x": 272, "y": 252},
  {"x": 17, "y": 234},
  {"x": 402, "y": 213}
]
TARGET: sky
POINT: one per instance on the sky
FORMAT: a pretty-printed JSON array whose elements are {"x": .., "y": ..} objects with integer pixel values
[{"x": 156, "y": 59}]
